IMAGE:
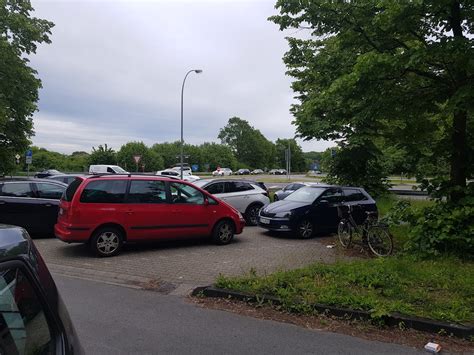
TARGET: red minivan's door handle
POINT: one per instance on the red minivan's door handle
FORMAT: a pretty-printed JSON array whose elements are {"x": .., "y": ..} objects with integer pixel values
[{"x": 130, "y": 212}]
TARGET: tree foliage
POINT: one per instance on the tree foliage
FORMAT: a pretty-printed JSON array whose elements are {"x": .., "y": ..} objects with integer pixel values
[
  {"x": 393, "y": 72},
  {"x": 149, "y": 159},
  {"x": 19, "y": 36},
  {"x": 248, "y": 144},
  {"x": 298, "y": 162},
  {"x": 102, "y": 155}
]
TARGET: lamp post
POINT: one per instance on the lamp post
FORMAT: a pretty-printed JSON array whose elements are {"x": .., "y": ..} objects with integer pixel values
[{"x": 197, "y": 71}]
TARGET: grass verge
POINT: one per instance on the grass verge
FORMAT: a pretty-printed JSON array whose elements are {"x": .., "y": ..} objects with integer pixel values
[{"x": 441, "y": 290}]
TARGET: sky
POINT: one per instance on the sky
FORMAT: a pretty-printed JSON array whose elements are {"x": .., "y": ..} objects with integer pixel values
[{"x": 114, "y": 70}]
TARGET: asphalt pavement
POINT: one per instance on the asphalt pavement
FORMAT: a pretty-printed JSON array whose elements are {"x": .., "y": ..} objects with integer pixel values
[{"x": 119, "y": 320}]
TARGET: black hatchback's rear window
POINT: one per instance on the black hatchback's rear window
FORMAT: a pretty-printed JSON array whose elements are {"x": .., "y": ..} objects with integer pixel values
[{"x": 71, "y": 189}]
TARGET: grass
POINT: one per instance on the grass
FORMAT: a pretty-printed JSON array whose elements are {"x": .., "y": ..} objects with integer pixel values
[{"x": 437, "y": 289}]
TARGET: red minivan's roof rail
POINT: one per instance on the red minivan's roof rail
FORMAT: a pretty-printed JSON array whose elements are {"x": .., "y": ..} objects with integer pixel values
[{"x": 108, "y": 174}]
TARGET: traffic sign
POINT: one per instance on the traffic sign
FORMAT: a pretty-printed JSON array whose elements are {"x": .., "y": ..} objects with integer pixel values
[
  {"x": 137, "y": 158},
  {"x": 29, "y": 153},
  {"x": 29, "y": 159},
  {"x": 17, "y": 156}
]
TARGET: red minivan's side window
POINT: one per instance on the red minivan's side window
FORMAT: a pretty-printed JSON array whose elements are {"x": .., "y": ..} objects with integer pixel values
[
  {"x": 147, "y": 191},
  {"x": 104, "y": 191}
]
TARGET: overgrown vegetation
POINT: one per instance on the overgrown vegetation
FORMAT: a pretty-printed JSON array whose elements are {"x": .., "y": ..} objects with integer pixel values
[{"x": 436, "y": 289}]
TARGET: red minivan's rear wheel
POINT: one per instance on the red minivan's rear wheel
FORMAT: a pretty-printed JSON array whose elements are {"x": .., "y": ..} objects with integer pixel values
[
  {"x": 107, "y": 241},
  {"x": 223, "y": 232}
]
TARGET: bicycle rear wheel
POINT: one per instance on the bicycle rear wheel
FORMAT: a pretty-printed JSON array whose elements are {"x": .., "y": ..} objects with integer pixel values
[
  {"x": 379, "y": 240},
  {"x": 344, "y": 232}
]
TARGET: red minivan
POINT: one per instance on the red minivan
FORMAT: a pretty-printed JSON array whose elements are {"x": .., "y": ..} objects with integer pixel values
[{"x": 107, "y": 211}]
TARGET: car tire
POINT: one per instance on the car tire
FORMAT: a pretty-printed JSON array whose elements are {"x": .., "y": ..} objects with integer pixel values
[
  {"x": 305, "y": 229},
  {"x": 106, "y": 241},
  {"x": 223, "y": 232},
  {"x": 251, "y": 214}
]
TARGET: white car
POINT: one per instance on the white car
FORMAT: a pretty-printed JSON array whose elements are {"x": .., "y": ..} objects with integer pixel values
[
  {"x": 106, "y": 169},
  {"x": 245, "y": 196},
  {"x": 187, "y": 176},
  {"x": 222, "y": 172}
]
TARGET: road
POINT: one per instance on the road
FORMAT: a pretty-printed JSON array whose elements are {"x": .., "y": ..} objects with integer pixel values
[{"x": 119, "y": 320}]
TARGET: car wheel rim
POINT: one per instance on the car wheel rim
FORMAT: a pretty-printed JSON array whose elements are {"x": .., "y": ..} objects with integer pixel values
[
  {"x": 254, "y": 215},
  {"x": 108, "y": 242},
  {"x": 306, "y": 229},
  {"x": 225, "y": 233}
]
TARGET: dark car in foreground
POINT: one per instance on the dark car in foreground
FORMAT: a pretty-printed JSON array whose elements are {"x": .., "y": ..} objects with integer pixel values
[
  {"x": 47, "y": 173},
  {"x": 313, "y": 209},
  {"x": 33, "y": 318},
  {"x": 31, "y": 204}
]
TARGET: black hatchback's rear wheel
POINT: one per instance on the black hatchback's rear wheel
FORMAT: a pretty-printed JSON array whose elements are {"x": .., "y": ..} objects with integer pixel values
[{"x": 305, "y": 229}]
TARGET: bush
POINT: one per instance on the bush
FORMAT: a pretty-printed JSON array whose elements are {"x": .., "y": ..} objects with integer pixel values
[{"x": 444, "y": 228}]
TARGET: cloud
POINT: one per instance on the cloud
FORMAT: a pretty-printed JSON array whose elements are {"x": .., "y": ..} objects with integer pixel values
[{"x": 114, "y": 71}]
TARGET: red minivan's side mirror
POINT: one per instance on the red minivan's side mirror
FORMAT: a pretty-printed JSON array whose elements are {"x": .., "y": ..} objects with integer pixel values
[{"x": 206, "y": 201}]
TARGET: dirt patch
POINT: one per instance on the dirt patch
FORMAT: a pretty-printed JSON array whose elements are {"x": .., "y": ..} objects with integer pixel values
[
  {"x": 365, "y": 330},
  {"x": 157, "y": 286}
]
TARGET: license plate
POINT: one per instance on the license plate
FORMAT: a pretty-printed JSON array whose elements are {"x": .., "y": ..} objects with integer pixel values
[{"x": 264, "y": 221}]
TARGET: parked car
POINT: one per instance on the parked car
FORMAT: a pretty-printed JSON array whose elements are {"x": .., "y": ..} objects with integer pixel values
[
  {"x": 186, "y": 169},
  {"x": 31, "y": 204},
  {"x": 313, "y": 208},
  {"x": 109, "y": 210},
  {"x": 246, "y": 196},
  {"x": 243, "y": 172},
  {"x": 66, "y": 178},
  {"x": 47, "y": 173},
  {"x": 313, "y": 172},
  {"x": 177, "y": 174},
  {"x": 222, "y": 172},
  {"x": 288, "y": 189},
  {"x": 277, "y": 172},
  {"x": 34, "y": 317},
  {"x": 106, "y": 169},
  {"x": 257, "y": 172}
]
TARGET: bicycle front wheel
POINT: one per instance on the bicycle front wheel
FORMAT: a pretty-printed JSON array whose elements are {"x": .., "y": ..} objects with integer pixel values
[
  {"x": 379, "y": 240},
  {"x": 344, "y": 232}
]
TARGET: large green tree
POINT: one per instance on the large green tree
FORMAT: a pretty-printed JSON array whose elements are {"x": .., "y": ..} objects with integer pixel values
[
  {"x": 149, "y": 159},
  {"x": 401, "y": 70},
  {"x": 20, "y": 33},
  {"x": 248, "y": 144},
  {"x": 102, "y": 155}
]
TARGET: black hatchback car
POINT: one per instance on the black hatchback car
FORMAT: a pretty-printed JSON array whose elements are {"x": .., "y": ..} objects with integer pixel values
[
  {"x": 312, "y": 209},
  {"x": 32, "y": 204},
  {"x": 33, "y": 318}
]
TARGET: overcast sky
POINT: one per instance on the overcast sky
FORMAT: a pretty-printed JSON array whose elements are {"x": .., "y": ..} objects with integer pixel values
[{"x": 114, "y": 70}]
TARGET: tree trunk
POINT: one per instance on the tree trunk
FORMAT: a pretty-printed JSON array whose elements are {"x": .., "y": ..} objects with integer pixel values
[{"x": 458, "y": 169}]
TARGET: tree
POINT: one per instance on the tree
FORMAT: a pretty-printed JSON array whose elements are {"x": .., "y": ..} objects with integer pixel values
[
  {"x": 401, "y": 70},
  {"x": 169, "y": 151},
  {"x": 148, "y": 158},
  {"x": 217, "y": 155},
  {"x": 248, "y": 144},
  {"x": 297, "y": 159},
  {"x": 102, "y": 155},
  {"x": 19, "y": 84}
]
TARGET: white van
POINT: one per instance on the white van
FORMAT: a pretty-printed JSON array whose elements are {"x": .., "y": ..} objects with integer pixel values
[{"x": 106, "y": 169}]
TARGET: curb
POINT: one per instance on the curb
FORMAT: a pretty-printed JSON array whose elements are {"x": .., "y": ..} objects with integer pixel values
[{"x": 394, "y": 319}]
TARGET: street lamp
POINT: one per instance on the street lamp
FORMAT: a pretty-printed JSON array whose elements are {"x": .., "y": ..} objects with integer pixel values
[{"x": 197, "y": 71}]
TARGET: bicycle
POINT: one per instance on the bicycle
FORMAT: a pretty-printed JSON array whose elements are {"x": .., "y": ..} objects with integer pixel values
[{"x": 374, "y": 234}]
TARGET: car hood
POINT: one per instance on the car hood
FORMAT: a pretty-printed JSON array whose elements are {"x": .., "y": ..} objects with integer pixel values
[{"x": 284, "y": 206}]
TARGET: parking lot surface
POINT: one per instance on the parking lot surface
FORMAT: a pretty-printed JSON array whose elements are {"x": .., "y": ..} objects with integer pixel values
[{"x": 178, "y": 266}]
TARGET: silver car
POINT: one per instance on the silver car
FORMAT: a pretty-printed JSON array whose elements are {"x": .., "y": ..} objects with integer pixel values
[
  {"x": 244, "y": 195},
  {"x": 290, "y": 188}
]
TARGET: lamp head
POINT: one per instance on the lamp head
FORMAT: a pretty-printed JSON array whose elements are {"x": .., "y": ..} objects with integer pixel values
[{"x": 198, "y": 71}]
